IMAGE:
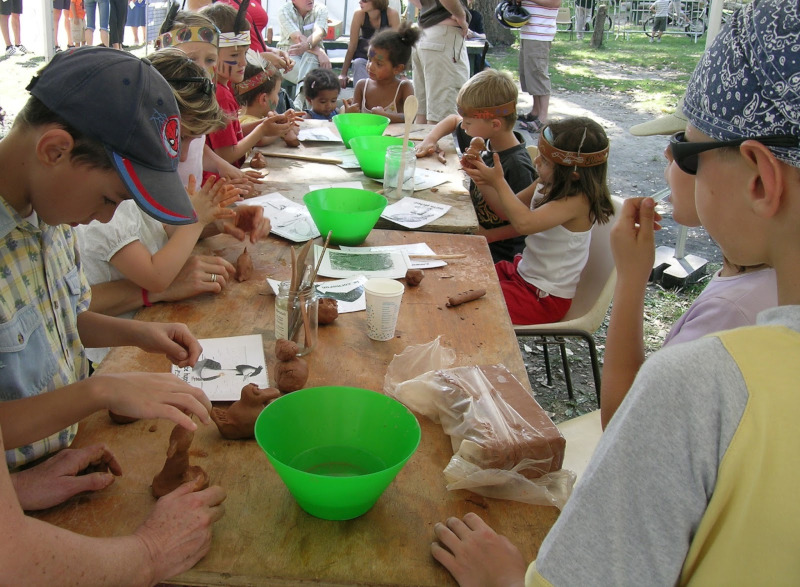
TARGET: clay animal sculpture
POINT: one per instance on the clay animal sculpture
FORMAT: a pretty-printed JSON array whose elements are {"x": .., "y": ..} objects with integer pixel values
[
  {"x": 257, "y": 161},
  {"x": 238, "y": 421},
  {"x": 177, "y": 469},
  {"x": 473, "y": 152},
  {"x": 244, "y": 266}
]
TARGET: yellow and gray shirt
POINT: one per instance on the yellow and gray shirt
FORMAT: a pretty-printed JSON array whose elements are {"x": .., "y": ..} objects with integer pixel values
[
  {"x": 42, "y": 291},
  {"x": 694, "y": 481}
]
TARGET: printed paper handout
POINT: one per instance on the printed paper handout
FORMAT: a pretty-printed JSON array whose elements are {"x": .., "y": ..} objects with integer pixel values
[
  {"x": 288, "y": 219},
  {"x": 345, "y": 264},
  {"x": 412, "y": 249},
  {"x": 348, "y": 293},
  {"x": 413, "y": 212},
  {"x": 226, "y": 365},
  {"x": 318, "y": 133}
]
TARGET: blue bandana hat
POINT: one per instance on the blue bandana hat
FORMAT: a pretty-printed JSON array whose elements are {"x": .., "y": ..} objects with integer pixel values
[{"x": 747, "y": 82}]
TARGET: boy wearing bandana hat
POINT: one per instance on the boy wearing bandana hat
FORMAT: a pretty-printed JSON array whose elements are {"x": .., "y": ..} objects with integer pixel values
[
  {"x": 64, "y": 168},
  {"x": 693, "y": 479}
]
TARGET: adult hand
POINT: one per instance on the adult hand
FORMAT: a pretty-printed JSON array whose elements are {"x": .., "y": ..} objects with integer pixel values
[
  {"x": 464, "y": 25},
  {"x": 476, "y": 555},
  {"x": 170, "y": 338},
  {"x": 249, "y": 220},
  {"x": 343, "y": 79},
  {"x": 195, "y": 277},
  {"x": 301, "y": 46},
  {"x": 324, "y": 60},
  {"x": 177, "y": 533},
  {"x": 633, "y": 239},
  {"x": 279, "y": 59},
  {"x": 63, "y": 475},
  {"x": 153, "y": 395}
]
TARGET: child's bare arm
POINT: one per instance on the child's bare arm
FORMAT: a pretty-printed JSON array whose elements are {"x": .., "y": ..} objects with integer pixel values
[
  {"x": 499, "y": 233},
  {"x": 442, "y": 129}
]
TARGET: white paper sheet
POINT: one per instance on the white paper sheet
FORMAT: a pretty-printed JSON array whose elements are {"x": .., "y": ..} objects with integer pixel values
[
  {"x": 348, "y": 293},
  {"x": 288, "y": 219},
  {"x": 345, "y": 264},
  {"x": 425, "y": 179},
  {"x": 413, "y": 212},
  {"x": 318, "y": 133},
  {"x": 343, "y": 184},
  {"x": 412, "y": 249},
  {"x": 226, "y": 365}
]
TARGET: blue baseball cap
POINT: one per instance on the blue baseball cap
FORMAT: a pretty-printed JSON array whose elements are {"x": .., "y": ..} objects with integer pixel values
[{"x": 124, "y": 103}]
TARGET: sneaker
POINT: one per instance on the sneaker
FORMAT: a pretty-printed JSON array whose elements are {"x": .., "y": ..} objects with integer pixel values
[
  {"x": 659, "y": 39},
  {"x": 652, "y": 40},
  {"x": 11, "y": 50},
  {"x": 21, "y": 49},
  {"x": 57, "y": 49}
]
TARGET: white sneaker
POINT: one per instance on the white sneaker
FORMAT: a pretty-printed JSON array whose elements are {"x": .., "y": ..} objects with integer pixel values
[
  {"x": 651, "y": 39},
  {"x": 659, "y": 39},
  {"x": 21, "y": 49},
  {"x": 11, "y": 50}
]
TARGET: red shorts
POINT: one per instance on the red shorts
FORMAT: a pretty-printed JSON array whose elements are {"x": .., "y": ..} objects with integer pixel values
[{"x": 526, "y": 303}]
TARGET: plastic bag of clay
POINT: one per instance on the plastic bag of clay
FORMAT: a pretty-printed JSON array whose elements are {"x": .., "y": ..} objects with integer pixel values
[{"x": 497, "y": 452}]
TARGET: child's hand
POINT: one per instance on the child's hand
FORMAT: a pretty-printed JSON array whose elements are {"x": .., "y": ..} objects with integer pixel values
[
  {"x": 378, "y": 110},
  {"x": 249, "y": 220},
  {"x": 426, "y": 148},
  {"x": 275, "y": 126},
  {"x": 633, "y": 239},
  {"x": 482, "y": 174},
  {"x": 350, "y": 107},
  {"x": 210, "y": 201}
]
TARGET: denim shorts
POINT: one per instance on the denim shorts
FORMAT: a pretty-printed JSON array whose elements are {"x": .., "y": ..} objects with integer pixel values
[{"x": 103, "y": 6}]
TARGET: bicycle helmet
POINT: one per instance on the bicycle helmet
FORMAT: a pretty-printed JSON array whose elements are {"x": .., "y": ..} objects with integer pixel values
[{"x": 511, "y": 15}]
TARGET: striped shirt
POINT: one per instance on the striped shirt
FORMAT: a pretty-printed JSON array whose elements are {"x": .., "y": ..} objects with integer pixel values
[
  {"x": 42, "y": 291},
  {"x": 542, "y": 24}
]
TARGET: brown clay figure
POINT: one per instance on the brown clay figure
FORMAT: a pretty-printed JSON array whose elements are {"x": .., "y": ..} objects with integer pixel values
[
  {"x": 465, "y": 296},
  {"x": 291, "y": 375},
  {"x": 258, "y": 161},
  {"x": 244, "y": 266},
  {"x": 291, "y": 139},
  {"x": 177, "y": 470},
  {"x": 473, "y": 152},
  {"x": 286, "y": 350},
  {"x": 328, "y": 310},
  {"x": 414, "y": 277},
  {"x": 238, "y": 421}
]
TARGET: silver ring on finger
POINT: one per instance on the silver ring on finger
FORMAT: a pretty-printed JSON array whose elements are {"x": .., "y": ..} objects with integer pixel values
[{"x": 213, "y": 278}]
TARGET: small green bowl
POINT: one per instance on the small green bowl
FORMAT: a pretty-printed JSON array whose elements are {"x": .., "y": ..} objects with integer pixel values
[
  {"x": 337, "y": 448},
  {"x": 359, "y": 124},
  {"x": 348, "y": 212},
  {"x": 371, "y": 153}
]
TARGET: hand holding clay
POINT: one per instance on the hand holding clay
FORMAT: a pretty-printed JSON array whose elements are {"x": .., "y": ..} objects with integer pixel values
[
  {"x": 172, "y": 339},
  {"x": 177, "y": 533},
  {"x": 177, "y": 469},
  {"x": 64, "y": 475},
  {"x": 473, "y": 152},
  {"x": 238, "y": 421}
]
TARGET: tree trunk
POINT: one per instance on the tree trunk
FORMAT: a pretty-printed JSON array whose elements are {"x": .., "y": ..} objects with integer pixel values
[
  {"x": 496, "y": 33},
  {"x": 599, "y": 25}
]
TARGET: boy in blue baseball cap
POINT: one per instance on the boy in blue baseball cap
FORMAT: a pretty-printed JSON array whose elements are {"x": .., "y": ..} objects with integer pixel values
[
  {"x": 693, "y": 480},
  {"x": 101, "y": 127}
]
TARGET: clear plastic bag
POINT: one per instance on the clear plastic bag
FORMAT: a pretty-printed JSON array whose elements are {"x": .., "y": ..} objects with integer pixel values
[{"x": 492, "y": 443}]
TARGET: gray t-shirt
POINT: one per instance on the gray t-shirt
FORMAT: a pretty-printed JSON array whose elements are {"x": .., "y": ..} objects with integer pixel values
[{"x": 632, "y": 518}]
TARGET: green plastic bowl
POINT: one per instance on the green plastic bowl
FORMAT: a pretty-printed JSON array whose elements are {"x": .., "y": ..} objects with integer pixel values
[
  {"x": 371, "y": 153},
  {"x": 359, "y": 124},
  {"x": 337, "y": 448},
  {"x": 350, "y": 213}
]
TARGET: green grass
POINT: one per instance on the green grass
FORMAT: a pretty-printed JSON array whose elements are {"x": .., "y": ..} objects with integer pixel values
[{"x": 652, "y": 74}]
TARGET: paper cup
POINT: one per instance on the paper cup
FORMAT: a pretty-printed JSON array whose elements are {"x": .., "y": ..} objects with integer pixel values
[{"x": 383, "y": 306}]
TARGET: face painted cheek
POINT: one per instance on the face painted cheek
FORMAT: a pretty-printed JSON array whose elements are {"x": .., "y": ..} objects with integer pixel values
[{"x": 227, "y": 67}]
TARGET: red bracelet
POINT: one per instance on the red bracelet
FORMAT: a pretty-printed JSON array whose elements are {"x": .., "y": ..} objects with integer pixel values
[{"x": 145, "y": 299}]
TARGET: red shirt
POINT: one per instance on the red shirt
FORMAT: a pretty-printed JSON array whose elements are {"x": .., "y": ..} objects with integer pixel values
[
  {"x": 231, "y": 134},
  {"x": 258, "y": 18}
]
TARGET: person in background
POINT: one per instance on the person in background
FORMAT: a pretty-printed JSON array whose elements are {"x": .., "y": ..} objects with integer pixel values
[
  {"x": 10, "y": 13},
  {"x": 117, "y": 17},
  {"x": 322, "y": 94},
  {"x": 583, "y": 12},
  {"x": 304, "y": 24},
  {"x": 476, "y": 28},
  {"x": 660, "y": 10},
  {"x": 137, "y": 21},
  {"x": 258, "y": 19},
  {"x": 258, "y": 96},
  {"x": 61, "y": 8},
  {"x": 77, "y": 22},
  {"x": 534, "y": 59},
  {"x": 371, "y": 17},
  {"x": 439, "y": 60},
  {"x": 99, "y": 9}
]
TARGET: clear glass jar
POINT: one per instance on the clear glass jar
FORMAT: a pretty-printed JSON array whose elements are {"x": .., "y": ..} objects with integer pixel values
[
  {"x": 296, "y": 316},
  {"x": 394, "y": 156}
]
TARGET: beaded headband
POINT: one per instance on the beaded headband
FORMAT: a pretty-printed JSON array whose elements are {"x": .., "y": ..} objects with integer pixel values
[
  {"x": 569, "y": 158},
  {"x": 234, "y": 39},
  {"x": 188, "y": 34},
  {"x": 255, "y": 81},
  {"x": 489, "y": 112}
]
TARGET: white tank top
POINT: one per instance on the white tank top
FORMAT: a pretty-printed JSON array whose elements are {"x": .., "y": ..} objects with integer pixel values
[{"x": 553, "y": 259}]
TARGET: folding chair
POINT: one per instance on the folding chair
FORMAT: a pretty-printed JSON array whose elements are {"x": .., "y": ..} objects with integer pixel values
[
  {"x": 564, "y": 19},
  {"x": 589, "y": 306}
]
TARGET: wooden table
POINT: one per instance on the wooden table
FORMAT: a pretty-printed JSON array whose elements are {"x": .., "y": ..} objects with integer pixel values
[
  {"x": 292, "y": 177},
  {"x": 265, "y": 538}
]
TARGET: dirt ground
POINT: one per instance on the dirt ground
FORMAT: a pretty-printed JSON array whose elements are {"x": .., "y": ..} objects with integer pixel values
[{"x": 636, "y": 168}]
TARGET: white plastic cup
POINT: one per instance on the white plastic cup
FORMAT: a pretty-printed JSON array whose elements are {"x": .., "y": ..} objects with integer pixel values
[
  {"x": 394, "y": 155},
  {"x": 383, "y": 306}
]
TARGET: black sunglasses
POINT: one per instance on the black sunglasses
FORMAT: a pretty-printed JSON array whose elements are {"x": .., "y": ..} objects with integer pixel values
[
  {"x": 208, "y": 85},
  {"x": 685, "y": 153}
]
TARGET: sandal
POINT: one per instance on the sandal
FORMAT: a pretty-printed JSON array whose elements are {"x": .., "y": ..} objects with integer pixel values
[
  {"x": 532, "y": 127},
  {"x": 527, "y": 117}
]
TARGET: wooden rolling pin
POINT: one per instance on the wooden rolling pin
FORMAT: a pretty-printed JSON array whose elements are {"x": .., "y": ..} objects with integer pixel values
[{"x": 300, "y": 157}]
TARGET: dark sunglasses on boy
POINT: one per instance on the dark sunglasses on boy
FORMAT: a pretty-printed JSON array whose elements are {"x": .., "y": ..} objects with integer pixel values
[
  {"x": 208, "y": 85},
  {"x": 685, "y": 153}
]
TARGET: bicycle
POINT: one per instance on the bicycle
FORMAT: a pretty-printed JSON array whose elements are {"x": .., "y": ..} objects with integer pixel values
[
  {"x": 608, "y": 24},
  {"x": 689, "y": 22}
]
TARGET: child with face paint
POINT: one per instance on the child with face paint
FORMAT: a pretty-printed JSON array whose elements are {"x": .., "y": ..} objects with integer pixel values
[
  {"x": 258, "y": 98},
  {"x": 234, "y": 41},
  {"x": 322, "y": 94},
  {"x": 383, "y": 92}
]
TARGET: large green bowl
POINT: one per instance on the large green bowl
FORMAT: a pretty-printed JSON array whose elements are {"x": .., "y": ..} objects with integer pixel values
[
  {"x": 370, "y": 151},
  {"x": 348, "y": 212},
  {"x": 359, "y": 124},
  {"x": 337, "y": 448}
]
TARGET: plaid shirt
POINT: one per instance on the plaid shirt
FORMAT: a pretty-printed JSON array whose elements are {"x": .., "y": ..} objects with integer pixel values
[
  {"x": 291, "y": 22},
  {"x": 42, "y": 292}
]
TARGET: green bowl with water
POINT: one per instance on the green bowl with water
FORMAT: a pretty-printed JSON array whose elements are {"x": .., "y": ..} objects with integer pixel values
[
  {"x": 371, "y": 153},
  {"x": 359, "y": 124},
  {"x": 337, "y": 448}
]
